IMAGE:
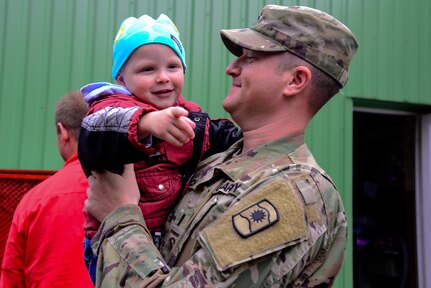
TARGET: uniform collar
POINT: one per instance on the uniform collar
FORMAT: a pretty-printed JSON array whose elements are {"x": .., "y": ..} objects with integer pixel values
[{"x": 240, "y": 165}]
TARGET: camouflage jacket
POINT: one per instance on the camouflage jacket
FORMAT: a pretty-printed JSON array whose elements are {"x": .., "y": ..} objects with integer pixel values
[{"x": 269, "y": 217}]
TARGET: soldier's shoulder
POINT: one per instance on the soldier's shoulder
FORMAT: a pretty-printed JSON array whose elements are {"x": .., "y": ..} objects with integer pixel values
[{"x": 270, "y": 218}]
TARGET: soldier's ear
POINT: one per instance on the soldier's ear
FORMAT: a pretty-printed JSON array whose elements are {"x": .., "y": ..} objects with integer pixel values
[{"x": 297, "y": 80}]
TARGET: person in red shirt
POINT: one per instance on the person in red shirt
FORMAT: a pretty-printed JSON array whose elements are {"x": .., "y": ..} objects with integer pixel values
[{"x": 45, "y": 243}]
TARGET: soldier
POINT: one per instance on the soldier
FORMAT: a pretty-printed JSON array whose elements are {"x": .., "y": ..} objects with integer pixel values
[{"x": 263, "y": 213}]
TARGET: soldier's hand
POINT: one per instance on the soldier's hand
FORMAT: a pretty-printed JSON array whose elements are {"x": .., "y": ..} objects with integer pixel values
[{"x": 109, "y": 191}]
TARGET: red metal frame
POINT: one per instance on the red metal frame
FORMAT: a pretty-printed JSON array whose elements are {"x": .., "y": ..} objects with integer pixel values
[{"x": 13, "y": 186}]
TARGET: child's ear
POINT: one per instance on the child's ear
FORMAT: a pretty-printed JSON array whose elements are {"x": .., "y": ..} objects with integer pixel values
[{"x": 120, "y": 79}]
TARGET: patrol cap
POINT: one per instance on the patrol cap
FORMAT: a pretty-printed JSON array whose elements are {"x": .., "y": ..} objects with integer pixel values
[
  {"x": 135, "y": 32},
  {"x": 310, "y": 34}
]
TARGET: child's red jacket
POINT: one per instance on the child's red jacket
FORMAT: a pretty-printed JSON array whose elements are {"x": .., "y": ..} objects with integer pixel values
[{"x": 109, "y": 139}]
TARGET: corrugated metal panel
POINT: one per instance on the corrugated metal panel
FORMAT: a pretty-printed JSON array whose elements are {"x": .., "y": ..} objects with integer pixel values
[
  {"x": 393, "y": 61},
  {"x": 49, "y": 47}
]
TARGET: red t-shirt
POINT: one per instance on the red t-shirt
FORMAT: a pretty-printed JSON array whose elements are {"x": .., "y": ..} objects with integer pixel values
[{"x": 45, "y": 243}]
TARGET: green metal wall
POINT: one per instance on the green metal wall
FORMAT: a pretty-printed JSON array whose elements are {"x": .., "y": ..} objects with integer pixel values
[{"x": 49, "y": 47}]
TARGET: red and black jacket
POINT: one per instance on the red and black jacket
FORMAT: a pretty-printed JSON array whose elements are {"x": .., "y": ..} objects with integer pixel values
[{"x": 109, "y": 139}]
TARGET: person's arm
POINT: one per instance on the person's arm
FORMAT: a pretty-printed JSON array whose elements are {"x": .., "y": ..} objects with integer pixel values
[
  {"x": 135, "y": 262},
  {"x": 104, "y": 199},
  {"x": 13, "y": 260},
  {"x": 109, "y": 134},
  {"x": 170, "y": 125},
  {"x": 117, "y": 128},
  {"x": 223, "y": 133}
]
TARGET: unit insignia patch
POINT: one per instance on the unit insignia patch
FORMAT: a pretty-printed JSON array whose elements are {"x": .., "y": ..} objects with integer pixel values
[{"x": 255, "y": 218}]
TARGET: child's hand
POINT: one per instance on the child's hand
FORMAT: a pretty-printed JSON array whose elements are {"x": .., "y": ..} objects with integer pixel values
[{"x": 170, "y": 124}]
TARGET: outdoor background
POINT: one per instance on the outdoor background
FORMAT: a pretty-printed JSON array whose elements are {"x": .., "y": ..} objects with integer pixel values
[{"x": 49, "y": 47}]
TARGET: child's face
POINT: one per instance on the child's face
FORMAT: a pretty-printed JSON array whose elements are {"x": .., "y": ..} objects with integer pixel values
[{"x": 154, "y": 74}]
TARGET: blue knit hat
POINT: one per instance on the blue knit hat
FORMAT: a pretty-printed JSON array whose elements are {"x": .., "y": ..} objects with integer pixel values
[{"x": 135, "y": 32}]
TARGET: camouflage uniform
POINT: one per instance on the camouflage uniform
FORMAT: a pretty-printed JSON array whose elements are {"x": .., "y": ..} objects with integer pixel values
[{"x": 270, "y": 217}]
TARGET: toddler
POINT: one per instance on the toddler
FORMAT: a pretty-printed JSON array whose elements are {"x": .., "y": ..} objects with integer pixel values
[{"x": 144, "y": 119}]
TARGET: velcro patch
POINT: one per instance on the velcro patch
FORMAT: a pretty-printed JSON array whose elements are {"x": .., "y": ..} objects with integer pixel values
[
  {"x": 312, "y": 213},
  {"x": 311, "y": 208},
  {"x": 235, "y": 238}
]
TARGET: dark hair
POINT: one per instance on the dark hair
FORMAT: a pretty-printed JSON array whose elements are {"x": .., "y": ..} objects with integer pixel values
[
  {"x": 324, "y": 86},
  {"x": 70, "y": 110}
]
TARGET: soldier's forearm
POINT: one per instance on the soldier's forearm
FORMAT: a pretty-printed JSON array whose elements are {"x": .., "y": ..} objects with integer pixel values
[{"x": 124, "y": 247}]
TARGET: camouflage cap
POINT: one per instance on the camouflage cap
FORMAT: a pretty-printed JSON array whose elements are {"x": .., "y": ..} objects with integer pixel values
[{"x": 312, "y": 35}]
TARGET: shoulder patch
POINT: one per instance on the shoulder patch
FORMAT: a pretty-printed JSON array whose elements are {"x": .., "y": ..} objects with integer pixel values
[
  {"x": 255, "y": 218},
  {"x": 267, "y": 220}
]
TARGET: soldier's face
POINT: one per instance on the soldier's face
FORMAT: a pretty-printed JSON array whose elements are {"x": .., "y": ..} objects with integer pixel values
[{"x": 256, "y": 88}]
